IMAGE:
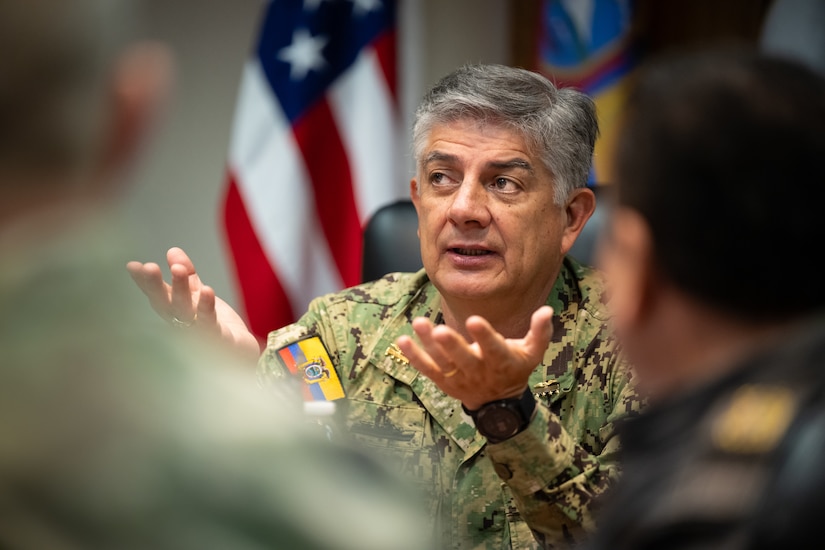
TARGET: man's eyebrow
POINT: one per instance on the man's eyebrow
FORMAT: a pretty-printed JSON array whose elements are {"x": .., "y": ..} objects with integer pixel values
[
  {"x": 513, "y": 163},
  {"x": 438, "y": 156}
]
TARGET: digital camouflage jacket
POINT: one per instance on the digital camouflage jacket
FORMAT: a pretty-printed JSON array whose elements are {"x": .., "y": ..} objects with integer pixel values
[{"x": 531, "y": 491}]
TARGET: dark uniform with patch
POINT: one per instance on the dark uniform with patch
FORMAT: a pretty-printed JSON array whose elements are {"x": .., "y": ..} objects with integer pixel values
[
  {"x": 737, "y": 464},
  {"x": 532, "y": 490}
]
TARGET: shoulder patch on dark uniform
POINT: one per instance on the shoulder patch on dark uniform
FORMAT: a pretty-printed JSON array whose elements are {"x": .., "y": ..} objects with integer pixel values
[{"x": 754, "y": 420}]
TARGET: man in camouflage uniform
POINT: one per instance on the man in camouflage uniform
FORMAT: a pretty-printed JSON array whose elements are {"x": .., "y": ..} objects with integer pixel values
[
  {"x": 490, "y": 377},
  {"x": 720, "y": 170}
]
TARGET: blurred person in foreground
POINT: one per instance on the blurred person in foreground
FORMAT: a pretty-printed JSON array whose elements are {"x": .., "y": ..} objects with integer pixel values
[
  {"x": 114, "y": 433},
  {"x": 714, "y": 242},
  {"x": 489, "y": 377}
]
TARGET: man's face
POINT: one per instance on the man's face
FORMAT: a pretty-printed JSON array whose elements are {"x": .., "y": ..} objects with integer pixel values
[{"x": 488, "y": 225}]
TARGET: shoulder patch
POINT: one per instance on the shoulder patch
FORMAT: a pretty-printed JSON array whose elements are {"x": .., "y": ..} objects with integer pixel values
[
  {"x": 309, "y": 362},
  {"x": 754, "y": 420}
]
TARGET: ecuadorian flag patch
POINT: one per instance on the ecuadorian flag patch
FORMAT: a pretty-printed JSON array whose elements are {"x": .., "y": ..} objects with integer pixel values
[{"x": 309, "y": 361}]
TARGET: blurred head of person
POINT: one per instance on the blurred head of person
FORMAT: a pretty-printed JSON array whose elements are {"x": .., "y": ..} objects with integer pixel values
[
  {"x": 713, "y": 241},
  {"x": 78, "y": 91}
]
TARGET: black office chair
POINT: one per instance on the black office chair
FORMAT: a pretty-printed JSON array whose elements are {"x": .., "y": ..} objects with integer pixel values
[{"x": 391, "y": 240}]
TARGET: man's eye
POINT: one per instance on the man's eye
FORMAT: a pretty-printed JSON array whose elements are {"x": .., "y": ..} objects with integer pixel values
[
  {"x": 438, "y": 178},
  {"x": 503, "y": 184}
]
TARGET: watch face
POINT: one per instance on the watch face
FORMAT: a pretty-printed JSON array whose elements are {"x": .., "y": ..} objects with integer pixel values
[{"x": 498, "y": 422}]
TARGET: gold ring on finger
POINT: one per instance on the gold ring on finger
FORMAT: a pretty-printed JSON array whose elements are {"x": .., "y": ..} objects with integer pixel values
[
  {"x": 453, "y": 372},
  {"x": 177, "y": 323}
]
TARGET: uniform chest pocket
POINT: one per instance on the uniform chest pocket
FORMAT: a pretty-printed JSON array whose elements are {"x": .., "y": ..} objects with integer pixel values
[
  {"x": 386, "y": 426},
  {"x": 397, "y": 435}
]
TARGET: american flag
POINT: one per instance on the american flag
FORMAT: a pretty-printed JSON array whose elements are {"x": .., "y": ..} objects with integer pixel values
[{"x": 314, "y": 151}]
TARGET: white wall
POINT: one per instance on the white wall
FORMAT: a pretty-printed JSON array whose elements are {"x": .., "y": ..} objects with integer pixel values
[
  {"x": 176, "y": 193},
  {"x": 178, "y": 186}
]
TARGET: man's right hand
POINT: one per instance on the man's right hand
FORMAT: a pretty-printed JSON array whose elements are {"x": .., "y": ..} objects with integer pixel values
[{"x": 188, "y": 302}]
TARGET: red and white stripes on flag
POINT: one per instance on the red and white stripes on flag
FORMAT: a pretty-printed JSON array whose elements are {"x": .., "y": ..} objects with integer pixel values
[{"x": 314, "y": 152}]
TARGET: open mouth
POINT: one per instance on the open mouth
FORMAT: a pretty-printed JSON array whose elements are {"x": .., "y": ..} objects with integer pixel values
[{"x": 470, "y": 251}]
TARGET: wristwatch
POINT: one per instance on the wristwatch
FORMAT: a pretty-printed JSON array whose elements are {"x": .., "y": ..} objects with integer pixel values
[{"x": 504, "y": 418}]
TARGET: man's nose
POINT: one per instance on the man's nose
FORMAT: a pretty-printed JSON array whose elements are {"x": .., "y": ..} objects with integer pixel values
[{"x": 470, "y": 203}]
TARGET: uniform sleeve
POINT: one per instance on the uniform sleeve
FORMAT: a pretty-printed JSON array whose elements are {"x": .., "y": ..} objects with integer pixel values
[{"x": 555, "y": 481}]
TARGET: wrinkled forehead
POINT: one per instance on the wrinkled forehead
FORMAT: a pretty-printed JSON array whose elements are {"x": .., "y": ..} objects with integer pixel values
[{"x": 473, "y": 128}]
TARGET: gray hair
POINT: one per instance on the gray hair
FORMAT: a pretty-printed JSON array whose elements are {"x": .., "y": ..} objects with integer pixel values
[
  {"x": 558, "y": 124},
  {"x": 53, "y": 77}
]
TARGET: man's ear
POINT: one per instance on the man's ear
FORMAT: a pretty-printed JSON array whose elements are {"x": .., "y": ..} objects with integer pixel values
[
  {"x": 140, "y": 84},
  {"x": 414, "y": 190},
  {"x": 415, "y": 197},
  {"x": 580, "y": 207}
]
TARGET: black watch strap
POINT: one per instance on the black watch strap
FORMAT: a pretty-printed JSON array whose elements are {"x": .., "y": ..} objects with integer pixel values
[{"x": 502, "y": 419}]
